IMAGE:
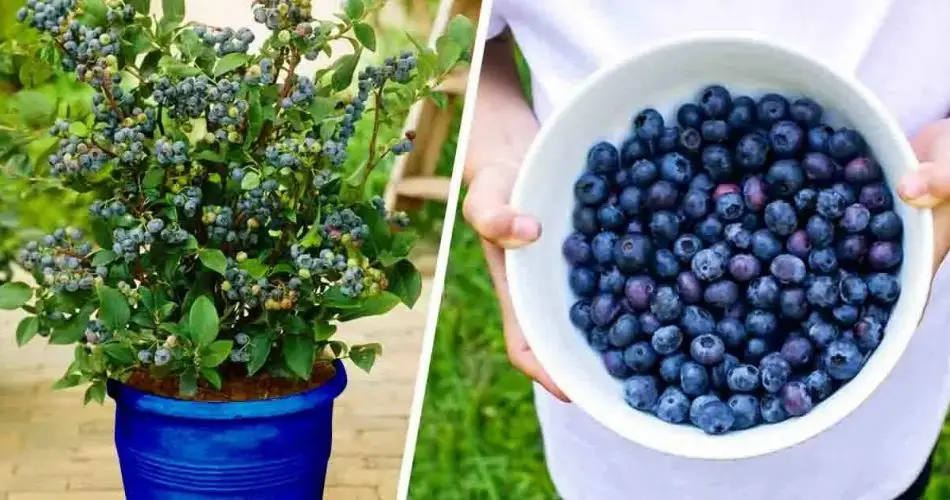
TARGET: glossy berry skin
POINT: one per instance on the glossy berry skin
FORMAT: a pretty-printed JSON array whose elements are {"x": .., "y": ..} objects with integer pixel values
[
  {"x": 822, "y": 292},
  {"x": 641, "y": 392},
  {"x": 714, "y": 131},
  {"x": 694, "y": 379},
  {"x": 640, "y": 356},
  {"x": 798, "y": 351},
  {"x": 623, "y": 331},
  {"x": 576, "y": 250},
  {"x": 707, "y": 349},
  {"x": 580, "y": 315},
  {"x": 676, "y": 168},
  {"x": 788, "y": 269},
  {"x": 821, "y": 232},
  {"x": 862, "y": 170},
  {"x": 868, "y": 333},
  {"x": 730, "y": 207},
  {"x": 666, "y": 305},
  {"x": 752, "y": 152},
  {"x": 883, "y": 288},
  {"x": 796, "y": 400},
  {"x": 649, "y": 324},
  {"x": 755, "y": 350},
  {"x": 603, "y": 158},
  {"x": 786, "y": 138},
  {"x": 610, "y": 217},
  {"x": 742, "y": 116},
  {"x": 613, "y": 361},
  {"x": 638, "y": 291},
  {"x": 690, "y": 141},
  {"x": 670, "y": 368},
  {"x": 855, "y": 219},
  {"x": 775, "y": 372},
  {"x": 585, "y": 221},
  {"x": 772, "y": 409},
  {"x": 822, "y": 334},
  {"x": 667, "y": 340},
  {"x": 604, "y": 308},
  {"x": 831, "y": 204},
  {"x": 743, "y": 378},
  {"x": 721, "y": 294},
  {"x": 823, "y": 261},
  {"x": 643, "y": 172},
  {"x": 845, "y": 315},
  {"x": 817, "y": 138},
  {"x": 673, "y": 406},
  {"x": 745, "y": 410},
  {"x": 780, "y": 217},
  {"x": 842, "y": 360},
  {"x": 707, "y": 265},
  {"x": 853, "y": 290},
  {"x": 590, "y": 189},
  {"x": 738, "y": 236},
  {"x": 784, "y": 178},
  {"x": 664, "y": 226},
  {"x": 709, "y": 229},
  {"x": 761, "y": 323},
  {"x": 845, "y": 144},
  {"x": 818, "y": 167},
  {"x": 686, "y": 247},
  {"x": 765, "y": 246},
  {"x": 792, "y": 304},
  {"x": 806, "y": 112},
  {"x": 602, "y": 247},
  {"x": 661, "y": 195},
  {"x": 763, "y": 292},
  {"x": 885, "y": 255},
  {"x": 611, "y": 281},
  {"x": 583, "y": 281},
  {"x": 771, "y": 108},
  {"x": 886, "y": 226},
  {"x": 715, "y": 101},
  {"x": 696, "y": 204},
  {"x": 665, "y": 264},
  {"x": 648, "y": 124},
  {"x": 690, "y": 115},
  {"x": 717, "y": 161},
  {"x": 697, "y": 321},
  {"x": 715, "y": 418},
  {"x": 876, "y": 197},
  {"x": 798, "y": 244},
  {"x": 689, "y": 288},
  {"x": 632, "y": 252},
  {"x": 732, "y": 332}
]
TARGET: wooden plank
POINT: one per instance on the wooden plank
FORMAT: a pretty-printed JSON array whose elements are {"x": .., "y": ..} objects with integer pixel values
[{"x": 425, "y": 188}]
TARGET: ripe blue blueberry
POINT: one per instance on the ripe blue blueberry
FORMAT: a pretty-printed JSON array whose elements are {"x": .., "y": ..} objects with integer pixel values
[
  {"x": 613, "y": 361},
  {"x": 775, "y": 372},
  {"x": 743, "y": 378},
  {"x": 862, "y": 170},
  {"x": 732, "y": 332},
  {"x": 643, "y": 172},
  {"x": 697, "y": 321},
  {"x": 666, "y": 305},
  {"x": 886, "y": 225},
  {"x": 597, "y": 339},
  {"x": 792, "y": 304},
  {"x": 885, "y": 255},
  {"x": 610, "y": 217},
  {"x": 876, "y": 197},
  {"x": 771, "y": 108},
  {"x": 788, "y": 268},
  {"x": 702, "y": 182},
  {"x": 855, "y": 219},
  {"x": 630, "y": 200},
  {"x": 852, "y": 249},
  {"x": 822, "y": 292},
  {"x": 752, "y": 151},
  {"x": 738, "y": 236},
  {"x": 690, "y": 141},
  {"x": 761, "y": 323},
  {"x": 602, "y": 247},
  {"x": 823, "y": 260},
  {"x": 603, "y": 158},
  {"x": 845, "y": 144},
  {"x": 772, "y": 409},
  {"x": 780, "y": 218},
  {"x": 883, "y": 288},
  {"x": 690, "y": 115},
  {"x": 819, "y": 385},
  {"x": 798, "y": 244},
  {"x": 631, "y": 253},
  {"x": 580, "y": 315},
  {"x": 624, "y": 330},
  {"x": 868, "y": 333},
  {"x": 763, "y": 292},
  {"x": 612, "y": 281},
  {"x": 785, "y": 178},
  {"x": 591, "y": 189},
  {"x": 786, "y": 139},
  {"x": 676, "y": 168},
  {"x": 584, "y": 220},
  {"x": 796, "y": 400},
  {"x": 665, "y": 264},
  {"x": 661, "y": 195},
  {"x": 744, "y": 267},
  {"x": 765, "y": 246},
  {"x": 694, "y": 379},
  {"x": 641, "y": 392},
  {"x": 831, "y": 203},
  {"x": 821, "y": 231},
  {"x": 730, "y": 207},
  {"x": 714, "y": 131},
  {"x": 798, "y": 351},
  {"x": 721, "y": 294},
  {"x": 667, "y": 340},
  {"x": 604, "y": 308},
  {"x": 715, "y": 418},
  {"x": 664, "y": 226},
  {"x": 673, "y": 406},
  {"x": 742, "y": 116},
  {"x": 715, "y": 101},
  {"x": 689, "y": 287},
  {"x": 649, "y": 324},
  {"x": 709, "y": 229},
  {"x": 686, "y": 247},
  {"x": 707, "y": 349},
  {"x": 670, "y": 367},
  {"x": 717, "y": 161},
  {"x": 640, "y": 356},
  {"x": 745, "y": 409},
  {"x": 638, "y": 292},
  {"x": 755, "y": 350},
  {"x": 818, "y": 167},
  {"x": 719, "y": 374},
  {"x": 822, "y": 334},
  {"x": 633, "y": 149},
  {"x": 696, "y": 204},
  {"x": 845, "y": 314},
  {"x": 583, "y": 281},
  {"x": 648, "y": 124},
  {"x": 668, "y": 140},
  {"x": 842, "y": 360},
  {"x": 854, "y": 290},
  {"x": 806, "y": 112},
  {"x": 817, "y": 138},
  {"x": 707, "y": 265}
]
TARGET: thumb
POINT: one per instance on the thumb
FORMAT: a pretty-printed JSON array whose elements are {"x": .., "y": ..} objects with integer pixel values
[
  {"x": 486, "y": 208},
  {"x": 927, "y": 186}
]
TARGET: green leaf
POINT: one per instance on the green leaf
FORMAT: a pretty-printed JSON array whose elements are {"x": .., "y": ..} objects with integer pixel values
[
  {"x": 366, "y": 35},
  {"x": 259, "y": 351},
  {"x": 298, "y": 354},
  {"x": 254, "y": 266},
  {"x": 203, "y": 321},
  {"x": 364, "y": 356},
  {"x": 212, "y": 376},
  {"x": 94, "y": 13},
  {"x": 188, "y": 383},
  {"x": 354, "y": 9},
  {"x": 461, "y": 31},
  {"x": 35, "y": 107},
  {"x": 141, "y": 6},
  {"x": 14, "y": 295},
  {"x": 119, "y": 352},
  {"x": 216, "y": 353},
  {"x": 251, "y": 181},
  {"x": 173, "y": 11},
  {"x": 323, "y": 331},
  {"x": 321, "y": 107},
  {"x": 104, "y": 257},
  {"x": 293, "y": 325},
  {"x": 255, "y": 116},
  {"x": 399, "y": 250},
  {"x": 213, "y": 259},
  {"x": 27, "y": 329},
  {"x": 343, "y": 70},
  {"x": 35, "y": 74},
  {"x": 230, "y": 63},
  {"x": 113, "y": 308},
  {"x": 337, "y": 347},
  {"x": 405, "y": 282},
  {"x": 67, "y": 381},
  {"x": 441, "y": 99},
  {"x": 72, "y": 331},
  {"x": 199, "y": 128},
  {"x": 96, "y": 392},
  {"x": 373, "y": 306},
  {"x": 153, "y": 178},
  {"x": 449, "y": 53}
]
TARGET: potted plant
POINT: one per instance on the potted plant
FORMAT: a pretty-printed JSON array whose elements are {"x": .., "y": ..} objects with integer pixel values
[{"x": 232, "y": 231}]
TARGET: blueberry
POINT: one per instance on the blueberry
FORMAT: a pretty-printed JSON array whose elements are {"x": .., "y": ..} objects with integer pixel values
[
  {"x": 590, "y": 189},
  {"x": 738, "y": 236},
  {"x": 745, "y": 409},
  {"x": 676, "y": 168},
  {"x": 763, "y": 292},
  {"x": 788, "y": 269},
  {"x": 775, "y": 371},
  {"x": 611, "y": 281},
  {"x": 786, "y": 138},
  {"x": 862, "y": 170},
  {"x": 806, "y": 112},
  {"x": 631, "y": 150},
  {"x": 585, "y": 221},
  {"x": 690, "y": 115},
  {"x": 855, "y": 219},
  {"x": 831, "y": 203},
  {"x": 876, "y": 197},
  {"x": 717, "y": 161},
  {"x": 886, "y": 225},
  {"x": 640, "y": 356},
  {"x": 744, "y": 267},
  {"x": 715, "y": 131},
  {"x": 822, "y": 292},
  {"x": 583, "y": 281},
  {"x": 721, "y": 294},
  {"x": 668, "y": 140},
  {"x": 649, "y": 324},
  {"x": 715, "y": 101},
  {"x": 771, "y": 108},
  {"x": 822, "y": 334},
  {"x": 798, "y": 351},
  {"x": 772, "y": 409},
  {"x": 686, "y": 246},
  {"x": 576, "y": 250},
  {"x": 854, "y": 290},
  {"x": 796, "y": 400},
  {"x": 638, "y": 291},
  {"x": 792, "y": 303},
  {"x": 697, "y": 404},
  {"x": 665, "y": 264},
  {"x": 631, "y": 252},
  {"x": 673, "y": 406},
  {"x": 823, "y": 260},
  {"x": 868, "y": 333},
  {"x": 846, "y": 191},
  {"x": 648, "y": 124},
  {"x": 761, "y": 323},
  {"x": 640, "y": 392},
  {"x": 752, "y": 151},
  {"x": 852, "y": 249},
  {"x": 604, "y": 308},
  {"x": 702, "y": 182},
  {"x": 842, "y": 360},
  {"x": 719, "y": 374},
  {"x": 696, "y": 204},
  {"x": 715, "y": 418},
  {"x": 670, "y": 367},
  {"x": 780, "y": 218},
  {"x": 610, "y": 217},
  {"x": 879, "y": 313},
  {"x": 623, "y": 178},
  {"x": 818, "y": 167},
  {"x": 694, "y": 379},
  {"x": 722, "y": 249},
  {"x": 624, "y": 330},
  {"x": 709, "y": 229},
  {"x": 885, "y": 255},
  {"x": 820, "y": 231},
  {"x": 690, "y": 141},
  {"x": 630, "y": 200},
  {"x": 666, "y": 305},
  {"x": 580, "y": 315},
  {"x": 743, "y": 378},
  {"x": 661, "y": 195},
  {"x": 730, "y": 207},
  {"x": 755, "y": 349},
  {"x": 845, "y": 314},
  {"x": 689, "y": 287},
  {"x": 667, "y": 340},
  {"x": 798, "y": 244},
  {"x": 707, "y": 265},
  {"x": 664, "y": 226},
  {"x": 643, "y": 172},
  {"x": 818, "y": 138},
  {"x": 845, "y": 144},
  {"x": 602, "y": 247},
  {"x": 732, "y": 332},
  {"x": 742, "y": 116},
  {"x": 634, "y": 226},
  {"x": 603, "y": 158},
  {"x": 613, "y": 361},
  {"x": 697, "y": 321},
  {"x": 765, "y": 245},
  {"x": 884, "y": 288}
]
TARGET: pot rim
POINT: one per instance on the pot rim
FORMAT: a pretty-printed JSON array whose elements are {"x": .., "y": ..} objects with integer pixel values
[{"x": 140, "y": 401}]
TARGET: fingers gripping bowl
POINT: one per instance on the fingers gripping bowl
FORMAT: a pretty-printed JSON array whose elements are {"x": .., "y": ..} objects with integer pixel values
[{"x": 664, "y": 77}]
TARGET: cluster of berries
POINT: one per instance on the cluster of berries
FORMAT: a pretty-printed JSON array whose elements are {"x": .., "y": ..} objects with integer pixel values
[
  {"x": 75, "y": 157},
  {"x": 240, "y": 353},
  {"x": 219, "y": 222},
  {"x": 260, "y": 206},
  {"x": 161, "y": 357},
  {"x": 282, "y": 14},
  {"x": 49, "y": 16},
  {"x": 128, "y": 140},
  {"x": 171, "y": 153},
  {"x": 97, "y": 333},
  {"x": 189, "y": 199},
  {"x": 290, "y": 152},
  {"x": 261, "y": 73},
  {"x": 226, "y": 40},
  {"x": 302, "y": 94},
  {"x": 128, "y": 243},
  {"x": 63, "y": 259},
  {"x": 308, "y": 265},
  {"x": 735, "y": 268},
  {"x": 107, "y": 209},
  {"x": 344, "y": 225}
]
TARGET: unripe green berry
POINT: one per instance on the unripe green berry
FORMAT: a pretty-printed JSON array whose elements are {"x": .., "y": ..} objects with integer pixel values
[
  {"x": 283, "y": 36},
  {"x": 226, "y": 286},
  {"x": 304, "y": 273},
  {"x": 241, "y": 256},
  {"x": 234, "y": 137}
]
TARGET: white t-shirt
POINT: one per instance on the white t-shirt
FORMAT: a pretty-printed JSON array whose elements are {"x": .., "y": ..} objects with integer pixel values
[{"x": 898, "y": 49}]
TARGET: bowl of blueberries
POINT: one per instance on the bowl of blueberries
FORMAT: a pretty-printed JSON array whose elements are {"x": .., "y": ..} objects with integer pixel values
[{"x": 725, "y": 269}]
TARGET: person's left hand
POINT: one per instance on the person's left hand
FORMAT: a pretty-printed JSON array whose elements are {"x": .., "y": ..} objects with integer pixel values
[{"x": 929, "y": 187}]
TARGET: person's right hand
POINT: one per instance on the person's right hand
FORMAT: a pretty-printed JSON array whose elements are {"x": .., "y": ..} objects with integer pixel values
[
  {"x": 929, "y": 186},
  {"x": 488, "y": 211}
]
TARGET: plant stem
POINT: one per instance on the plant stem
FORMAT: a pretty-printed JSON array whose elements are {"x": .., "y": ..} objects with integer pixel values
[{"x": 373, "y": 160}]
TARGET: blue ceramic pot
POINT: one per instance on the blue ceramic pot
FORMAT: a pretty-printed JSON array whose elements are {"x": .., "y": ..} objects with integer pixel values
[{"x": 275, "y": 449}]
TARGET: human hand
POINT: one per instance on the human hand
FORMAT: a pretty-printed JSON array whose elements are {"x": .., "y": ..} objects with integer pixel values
[
  {"x": 488, "y": 211},
  {"x": 929, "y": 187}
]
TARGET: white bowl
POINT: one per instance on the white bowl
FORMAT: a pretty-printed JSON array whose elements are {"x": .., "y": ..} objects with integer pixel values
[{"x": 664, "y": 77}]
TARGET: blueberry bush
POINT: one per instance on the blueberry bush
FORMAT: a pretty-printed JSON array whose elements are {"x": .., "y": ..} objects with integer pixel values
[{"x": 231, "y": 223}]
